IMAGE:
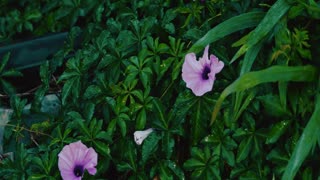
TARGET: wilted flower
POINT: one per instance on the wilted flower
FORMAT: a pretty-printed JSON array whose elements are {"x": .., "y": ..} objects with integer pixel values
[
  {"x": 139, "y": 136},
  {"x": 200, "y": 75},
  {"x": 74, "y": 159}
]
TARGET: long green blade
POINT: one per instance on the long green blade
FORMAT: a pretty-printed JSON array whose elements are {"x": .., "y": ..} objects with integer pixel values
[
  {"x": 269, "y": 21},
  {"x": 272, "y": 74},
  {"x": 227, "y": 27},
  {"x": 307, "y": 140}
]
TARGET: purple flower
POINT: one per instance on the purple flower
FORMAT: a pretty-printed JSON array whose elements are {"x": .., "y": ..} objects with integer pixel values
[
  {"x": 200, "y": 75},
  {"x": 74, "y": 159}
]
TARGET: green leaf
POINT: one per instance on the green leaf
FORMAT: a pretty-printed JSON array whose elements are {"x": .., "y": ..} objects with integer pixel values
[
  {"x": 66, "y": 90},
  {"x": 307, "y": 140},
  {"x": 277, "y": 156},
  {"x": 72, "y": 85},
  {"x": 7, "y": 87},
  {"x": 92, "y": 91},
  {"x": 265, "y": 26},
  {"x": 68, "y": 75},
  {"x": 145, "y": 75},
  {"x": 175, "y": 169},
  {"x": 276, "y": 131},
  {"x": 123, "y": 126},
  {"x": 161, "y": 118},
  {"x": 167, "y": 144},
  {"x": 38, "y": 176},
  {"x": 150, "y": 145},
  {"x": 272, "y": 74},
  {"x": 183, "y": 104},
  {"x": 89, "y": 111},
  {"x": 283, "y": 88},
  {"x": 250, "y": 57},
  {"x": 103, "y": 135},
  {"x": 28, "y": 26},
  {"x": 45, "y": 73},
  {"x": 102, "y": 40},
  {"x": 83, "y": 127},
  {"x": 244, "y": 149},
  {"x": 34, "y": 14},
  {"x": 197, "y": 160},
  {"x": 229, "y": 26},
  {"x": 240, "y": 105},
  {"x": 111, "y": 127},
  {"x": 11, "y": 73},
  {"x": 102, "y": 148},
  {"x": 272, "y": 106},
  {"x": 141, "y": 119},
  {"x": 203, "y": 164},
  {"x": 228, "y": 156},
  {"x": 4, "y": 62},
  {"x": 197, "y": 124}
]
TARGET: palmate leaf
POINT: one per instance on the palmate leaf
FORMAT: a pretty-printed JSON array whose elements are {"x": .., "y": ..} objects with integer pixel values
[
  {"x": 272, "y": 74},
  {"x": 167, "y": 169},
  {"x": 272, "y": 106},
  {"x": 307, "y": 141},
  {"x": 198, "y": 106},
  {"x": 222, "y": 144},
  {"x": 203, "y": 164}
]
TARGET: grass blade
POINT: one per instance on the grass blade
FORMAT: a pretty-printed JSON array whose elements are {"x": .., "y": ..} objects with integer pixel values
[
  {"x": 272, "y": 74},
  {"x": 307, "y": 140},
  {"x": 269, "y": 21},
  {"x": 250, "y": 57},
  {"x": 227, "y": 27}
]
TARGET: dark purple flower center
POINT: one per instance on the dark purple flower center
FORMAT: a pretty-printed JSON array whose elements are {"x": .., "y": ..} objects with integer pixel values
[
  {"x": 205, "y": 73},
  {"x": 78, "y": 170}
]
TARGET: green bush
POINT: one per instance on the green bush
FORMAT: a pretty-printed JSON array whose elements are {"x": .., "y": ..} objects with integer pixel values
[{"x": 260, "y": 121}]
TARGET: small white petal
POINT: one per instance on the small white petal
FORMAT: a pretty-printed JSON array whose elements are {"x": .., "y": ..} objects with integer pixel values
[{"x": 139, "y": 136}]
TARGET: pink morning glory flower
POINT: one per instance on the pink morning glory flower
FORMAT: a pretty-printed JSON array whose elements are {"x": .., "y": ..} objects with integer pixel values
[
  {"x": 74, "y": 159},
  {"x": 200, "y": 75}
]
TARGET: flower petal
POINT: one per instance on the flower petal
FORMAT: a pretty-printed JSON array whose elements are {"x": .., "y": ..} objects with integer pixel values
[
  {"x": 66, "y": 175},
  {"x": 191, "y": 65},
  {"x": 90, "y": 161},
  {"x": 79, "y": 151},
  {"x": 139, "y": 136},
  {"x": 216, "y": 65},
  {"x": 76, "y": 154},
  {"x": 202, "y": 87},
  {"x": 191, "y": 70},
  {"x": 64, "y": 163},
  {"x": 205, "y": 57}
]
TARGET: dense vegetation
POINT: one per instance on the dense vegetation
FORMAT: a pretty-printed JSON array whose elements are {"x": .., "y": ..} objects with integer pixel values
[{"x": 260, "y": 121}]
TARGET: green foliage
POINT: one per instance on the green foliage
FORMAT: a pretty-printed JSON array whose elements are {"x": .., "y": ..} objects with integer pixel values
[
  {"x": 272, "y": 74},
  {"x": 260, "y": 120},
  {"x": 4, "y": 73},
  {"x": 202, "y": 164},
  {"x": 307, "y": 141}
]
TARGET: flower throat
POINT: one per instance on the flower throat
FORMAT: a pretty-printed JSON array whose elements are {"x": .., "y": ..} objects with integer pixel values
[
  {"x": 205, "y": 73},
  {"x": 78, "y": 171}
]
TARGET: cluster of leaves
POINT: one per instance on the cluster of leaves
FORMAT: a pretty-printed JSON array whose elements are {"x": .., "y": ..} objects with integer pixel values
[
  {"x": 127, "y": 77},
  {"x": 26, "y": 19}
]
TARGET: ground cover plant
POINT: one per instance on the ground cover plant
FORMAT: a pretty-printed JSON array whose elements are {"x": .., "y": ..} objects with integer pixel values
[{"x": 163, "y": 89}]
